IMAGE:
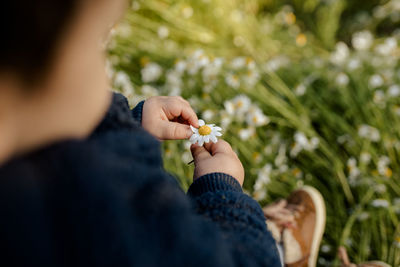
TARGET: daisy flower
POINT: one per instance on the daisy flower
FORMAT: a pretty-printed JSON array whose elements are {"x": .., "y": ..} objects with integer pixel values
[{"x": 205, "y": 133}]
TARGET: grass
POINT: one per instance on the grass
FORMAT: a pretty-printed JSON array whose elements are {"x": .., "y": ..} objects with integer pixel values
[{"x": 333, "y": 110}]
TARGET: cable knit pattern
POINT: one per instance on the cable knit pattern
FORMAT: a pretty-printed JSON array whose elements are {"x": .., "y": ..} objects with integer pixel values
[
  {"x": 107, "y": 201},
  {"x": 214, "y": 182}
]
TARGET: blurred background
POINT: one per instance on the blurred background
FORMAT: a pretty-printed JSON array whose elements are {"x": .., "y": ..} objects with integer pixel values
[{"x": 306, "y": 91}]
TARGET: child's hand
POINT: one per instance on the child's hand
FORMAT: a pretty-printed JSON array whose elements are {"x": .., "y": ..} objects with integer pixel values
[
  {"x": 217, "y": 157},
  {"x": 168, "y": 117}
]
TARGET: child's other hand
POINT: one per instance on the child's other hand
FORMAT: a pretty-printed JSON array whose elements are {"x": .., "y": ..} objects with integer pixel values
[
  {"x": 218, "y": 157},
  {"x": 168, "y": 117}
]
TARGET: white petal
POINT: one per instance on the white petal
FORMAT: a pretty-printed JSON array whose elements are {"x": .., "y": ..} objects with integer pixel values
[
  {"x": 193, "y": 129},
  {"x": 200, "y": 142},
  {"x": 217, "y": 128},
  {"x": 201, "y": 123},
  {"x": 214, "y": 139},
  {"x": 206, "y": 138},
  {"x": 218, "y": 134},
  {"x": 193, "y": 138}
]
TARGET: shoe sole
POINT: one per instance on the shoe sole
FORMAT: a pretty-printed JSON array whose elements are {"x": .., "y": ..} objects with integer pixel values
[{"x": 319, "y": 229}]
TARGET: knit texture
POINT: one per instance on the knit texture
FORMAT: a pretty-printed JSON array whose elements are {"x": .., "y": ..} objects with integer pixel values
[
  {"x": 214, "y": 182},
  {"x": 107, "y": 201}
]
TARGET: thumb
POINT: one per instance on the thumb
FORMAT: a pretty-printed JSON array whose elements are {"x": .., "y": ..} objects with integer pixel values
[
  {"x": 174, "y": 130},
  {"x": 199, "y": 153}
]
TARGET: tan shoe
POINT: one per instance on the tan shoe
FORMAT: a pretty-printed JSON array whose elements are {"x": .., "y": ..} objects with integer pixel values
[
  {"x": 301, "y": 242},
  {"x": 346, "y": 262}
]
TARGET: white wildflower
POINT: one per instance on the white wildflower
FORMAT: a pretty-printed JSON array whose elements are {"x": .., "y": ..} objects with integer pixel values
[
  {"x": 276, "y": 63},
  {"x": 187, "y": 12},
  {"x": 283, "y": 168},
  {"x": 394, "y": 90},
  {"x": 388, "y": 47},
  {"x": 246, "y": 133},
  {"x": 300, "y": 89},
  {"x": 180, "y": 66},
  {"x": 342, "y": 79},
  {"x": 363, "y": 216},
  {"x": 208, "y": 114},
  {"x": 173, "y": 78},
  {"x": 303, "y": 143},
  {"x": 163, "y": 32},
  {"x": 151, "y": 72},
  {"x": 256, "y": 117},
  {"x": 263, "y": 179},
  {"x": 260, "y": 194},
  {"x": 175, "y": 91},
  {"x": 354, "y": 63},
  {"x": 369, "y": 132},
  {"x": 212, "y": 70},
  {"x": 365, "y": 157},
  {"x": 362, "y": 40},
  {"x": 232, "y": 80},
  {"x": 380, "y": 203},
  {"x": 238, "y": 63},
  {"x": 251, "y": 77},
  {"x": 197, "y": 61},
  {"x": 149, "y": 91},
  {"x": 250, "y": 63},
  {"x": 382, "y": 165},
  {"x": 123, "y": 81},
  {"x": 301, "y": 139},
  {"x": 226, "y": 119},
  {"x": 186, "y": 156},
  {"x": 281, "y": 158},
  {"x": 239, "y": 105},
  {"x": 354, "y": 172},
  {"x": 264, "y": 175},
  {"x": 205, "y": 133},
  {"x": 375, "y": 81},
  {"x": 341, "y": 54}
]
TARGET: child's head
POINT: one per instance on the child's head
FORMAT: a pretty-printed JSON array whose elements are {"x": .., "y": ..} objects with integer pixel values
[
  {"x": 37, "y": 32},
  {"x": 52, "y": 57}
]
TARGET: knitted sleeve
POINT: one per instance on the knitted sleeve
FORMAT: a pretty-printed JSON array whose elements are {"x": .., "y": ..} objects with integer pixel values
[
  {"x": 218, "y": 197},
  {"x": 224, "y": 227}
]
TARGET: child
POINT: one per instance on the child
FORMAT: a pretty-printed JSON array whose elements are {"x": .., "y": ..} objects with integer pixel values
[{"x": 81, "y": 178}]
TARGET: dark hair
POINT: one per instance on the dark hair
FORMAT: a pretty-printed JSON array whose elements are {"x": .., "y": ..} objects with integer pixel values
[{"x": 31, "y": 29}]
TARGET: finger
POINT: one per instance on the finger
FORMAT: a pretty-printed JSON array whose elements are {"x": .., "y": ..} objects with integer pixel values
[
  {"x": 178, "y": 108},
  {"x": 199, "y": 153},
  {"x": 220, "y": 147},
  {"x": 175, "y": 131}
]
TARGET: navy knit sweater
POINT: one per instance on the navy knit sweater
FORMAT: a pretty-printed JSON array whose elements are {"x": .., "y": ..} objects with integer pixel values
[{"x": 106, "y": 201}]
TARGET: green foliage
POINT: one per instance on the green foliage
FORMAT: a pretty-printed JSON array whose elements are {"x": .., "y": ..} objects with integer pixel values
[{"x": 307, "y": 92}]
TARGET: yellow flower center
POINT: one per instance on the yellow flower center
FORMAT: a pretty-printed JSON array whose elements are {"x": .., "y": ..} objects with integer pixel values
[
  {"x": 204, "y": 130},
  {"x": 301, "y": 39},
  {"x": 388, "y": 172}
]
